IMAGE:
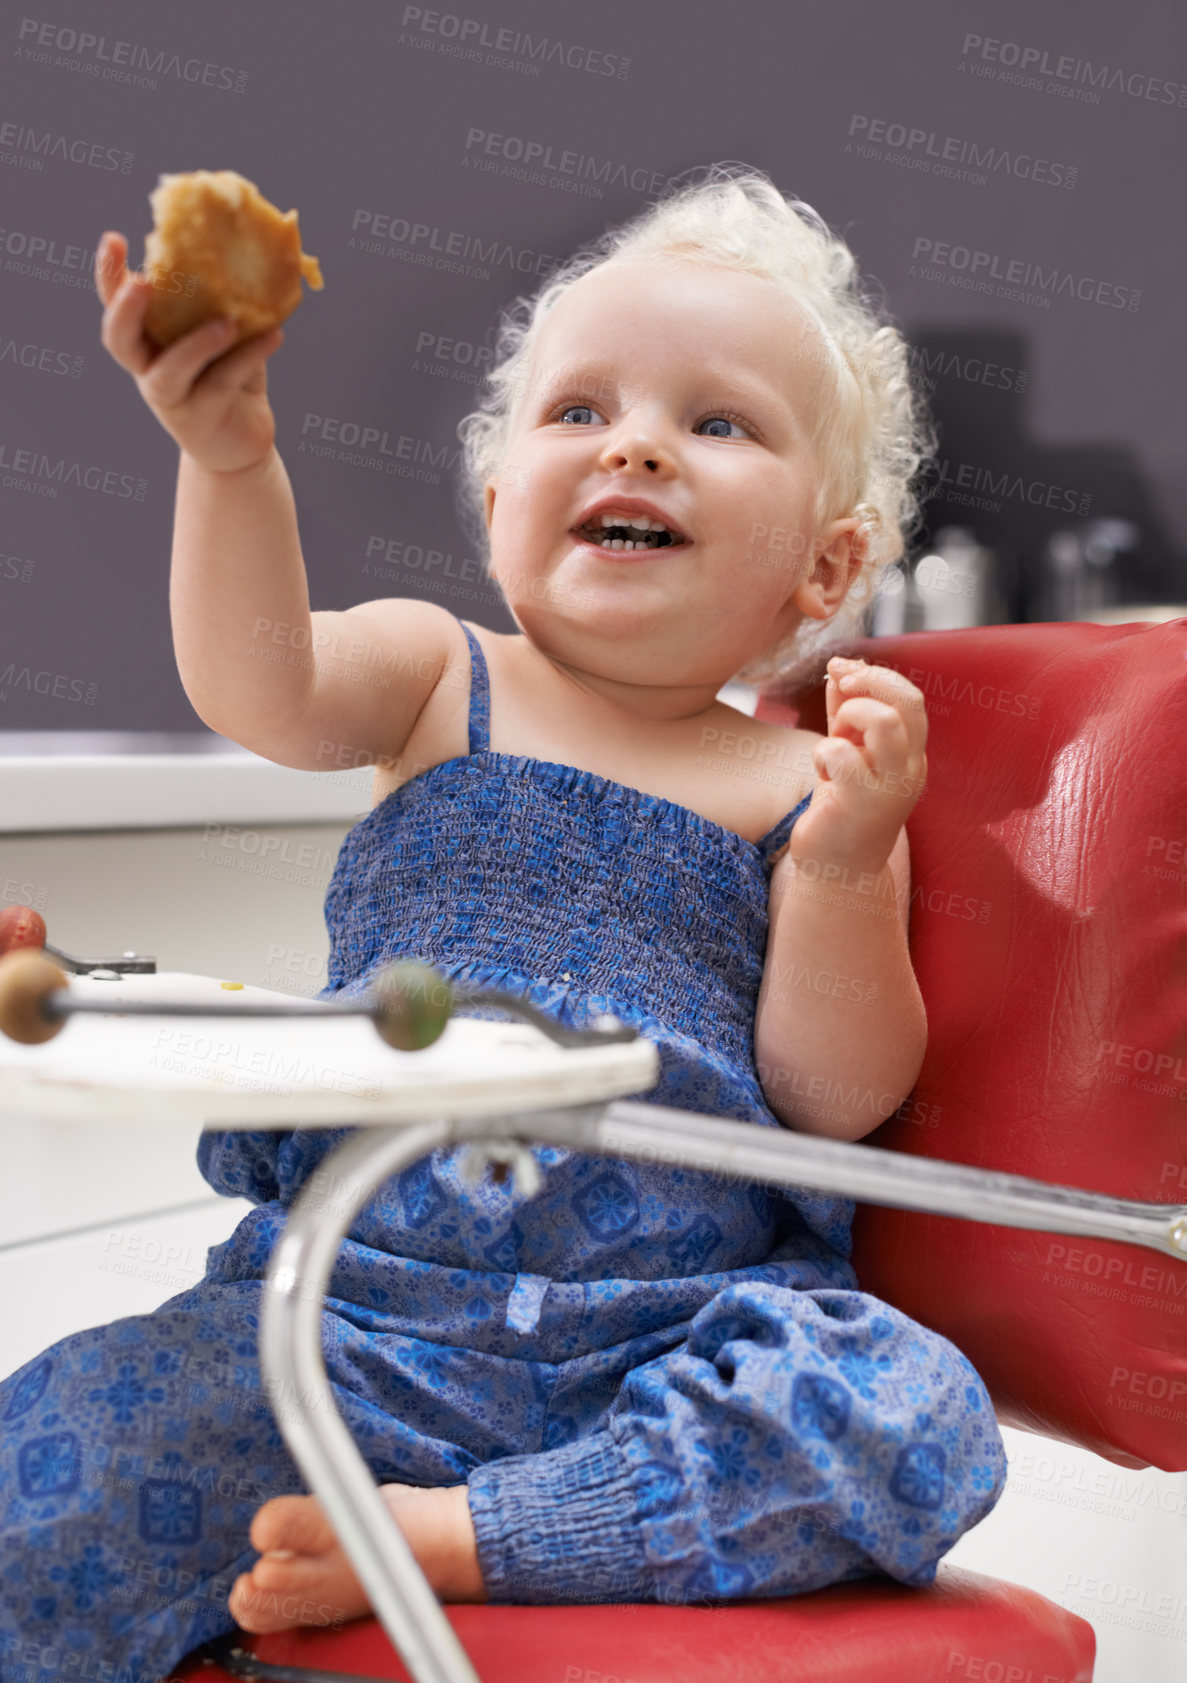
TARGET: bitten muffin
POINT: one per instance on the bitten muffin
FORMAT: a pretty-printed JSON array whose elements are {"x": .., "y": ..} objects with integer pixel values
[{"x": 218, "y": 248}]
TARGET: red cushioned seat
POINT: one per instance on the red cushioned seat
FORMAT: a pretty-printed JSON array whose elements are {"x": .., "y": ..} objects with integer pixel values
[
  {"x": 1048, "y": 933},
  {"x": 965, "y": 1625},
  {"x": 1047, "y": 930}
]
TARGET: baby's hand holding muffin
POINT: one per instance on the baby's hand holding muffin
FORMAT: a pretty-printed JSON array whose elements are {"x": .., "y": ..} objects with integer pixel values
[
  {"x": 195, "y": 330},
  {"x": 212, "y": 401}
]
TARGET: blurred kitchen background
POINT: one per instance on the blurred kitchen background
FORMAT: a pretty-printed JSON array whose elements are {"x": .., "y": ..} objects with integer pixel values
[{"x": 1002, "y": 175}]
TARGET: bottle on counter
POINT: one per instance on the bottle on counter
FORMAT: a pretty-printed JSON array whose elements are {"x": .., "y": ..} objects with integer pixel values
[
  {"x": 1080, "y": 573},
  {"x": 956, "y": 582},
  {"x": 953, "y": 584}
]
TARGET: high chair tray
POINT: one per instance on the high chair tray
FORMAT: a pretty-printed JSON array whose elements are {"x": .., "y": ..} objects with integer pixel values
[{"x": 277, "y": 1072}]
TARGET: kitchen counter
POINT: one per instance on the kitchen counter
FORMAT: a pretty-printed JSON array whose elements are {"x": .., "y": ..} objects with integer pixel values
[
  {"x": 100, "y": 780},
  {"x": 152, "y": 780}
]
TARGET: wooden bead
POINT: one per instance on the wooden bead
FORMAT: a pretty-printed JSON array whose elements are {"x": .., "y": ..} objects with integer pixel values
[
  {"x": 21, "y": 926},
  {"x": 414, "y": 1004},
  {"x": 27, "y": 979}
]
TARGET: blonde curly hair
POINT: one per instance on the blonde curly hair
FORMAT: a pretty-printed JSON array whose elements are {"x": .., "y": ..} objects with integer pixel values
[{"x": 873, "y": 429}]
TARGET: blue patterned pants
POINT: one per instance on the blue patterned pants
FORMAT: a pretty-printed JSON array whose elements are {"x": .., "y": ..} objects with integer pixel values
[{"x": 780, "y": 1440}]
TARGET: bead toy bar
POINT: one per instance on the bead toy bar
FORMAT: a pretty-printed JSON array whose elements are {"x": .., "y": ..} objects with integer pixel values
[
  {"x": 23, "y": 928},
  {"x": 409, "y": 1003}
]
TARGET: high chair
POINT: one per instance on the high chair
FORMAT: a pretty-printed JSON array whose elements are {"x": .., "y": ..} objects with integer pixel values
[{"x": 1047, "y": 930}]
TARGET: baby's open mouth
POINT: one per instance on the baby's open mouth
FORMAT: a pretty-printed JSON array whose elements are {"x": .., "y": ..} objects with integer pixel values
[{"x": 617, "y": 532}]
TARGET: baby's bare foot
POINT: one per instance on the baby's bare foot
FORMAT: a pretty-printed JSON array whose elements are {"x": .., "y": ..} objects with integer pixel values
[{"x": 305, "y": 1578}]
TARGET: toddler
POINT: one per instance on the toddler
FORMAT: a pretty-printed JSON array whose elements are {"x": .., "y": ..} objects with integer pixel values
[{"x": 692, "y": 465}]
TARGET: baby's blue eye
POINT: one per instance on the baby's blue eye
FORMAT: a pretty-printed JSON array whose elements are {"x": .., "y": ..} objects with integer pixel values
[{"x": 729, "y": 419}]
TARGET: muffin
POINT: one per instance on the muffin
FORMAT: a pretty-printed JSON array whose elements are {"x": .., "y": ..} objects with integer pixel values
[{"x": 218, "y": 248}]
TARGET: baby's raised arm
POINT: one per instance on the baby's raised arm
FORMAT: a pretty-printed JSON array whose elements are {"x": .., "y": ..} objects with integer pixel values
[
  {"x": 308, "y": 690},
  {"x": 256, "y": 664}
]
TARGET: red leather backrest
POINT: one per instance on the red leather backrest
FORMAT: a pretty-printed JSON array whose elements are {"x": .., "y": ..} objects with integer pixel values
[{"x": 1049, "y": 936}]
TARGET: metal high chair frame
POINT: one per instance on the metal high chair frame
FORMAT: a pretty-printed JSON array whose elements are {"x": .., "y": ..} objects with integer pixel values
[{"x": 290, "y": 1344}]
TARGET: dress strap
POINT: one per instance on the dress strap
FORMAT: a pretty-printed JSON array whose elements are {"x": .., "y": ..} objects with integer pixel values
[
  {"x": 775, "y": 838},
  {"x": 479, "y": 695}
]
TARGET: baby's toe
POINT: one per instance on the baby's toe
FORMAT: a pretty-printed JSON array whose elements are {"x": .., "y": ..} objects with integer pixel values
[
  {"x": 288, "y": 1572},
  {"x": 296, "y": 1523},
  {"x": 254, "y": 1610}
]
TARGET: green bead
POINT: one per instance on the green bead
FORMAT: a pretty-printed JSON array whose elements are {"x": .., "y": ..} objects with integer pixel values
[{"x": 415, "y": 1002}]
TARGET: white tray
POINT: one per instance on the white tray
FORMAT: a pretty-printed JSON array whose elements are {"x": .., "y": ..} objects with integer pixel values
[{"x": 277, "y": 1072}]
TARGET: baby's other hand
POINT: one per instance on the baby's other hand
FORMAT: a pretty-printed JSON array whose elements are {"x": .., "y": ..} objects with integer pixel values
[{"x": 872, "y": 767}]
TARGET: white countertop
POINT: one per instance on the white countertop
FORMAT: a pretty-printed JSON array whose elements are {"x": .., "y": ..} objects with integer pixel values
[
  {"x": 100, "y": 780},
  {"x": 153, "y": 780}
]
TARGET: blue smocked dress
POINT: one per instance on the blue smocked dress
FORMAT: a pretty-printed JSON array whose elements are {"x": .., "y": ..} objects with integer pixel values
[{"x": 658, "y": 1385}]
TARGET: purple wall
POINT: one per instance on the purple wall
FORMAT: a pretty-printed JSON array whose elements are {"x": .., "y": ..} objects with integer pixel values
[{"x": 1008, "y": 176}]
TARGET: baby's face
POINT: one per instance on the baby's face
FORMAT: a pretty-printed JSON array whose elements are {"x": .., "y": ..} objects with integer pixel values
[{"x": 693, "y": 388}]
